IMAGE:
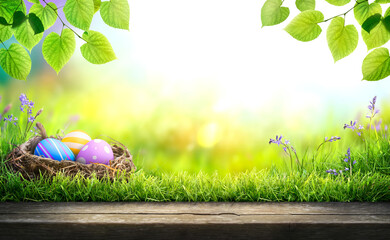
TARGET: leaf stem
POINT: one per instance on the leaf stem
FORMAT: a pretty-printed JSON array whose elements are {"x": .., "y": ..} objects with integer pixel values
[
  {"x": 63, "y": 23},
  {"x": 345, "y": 13}
]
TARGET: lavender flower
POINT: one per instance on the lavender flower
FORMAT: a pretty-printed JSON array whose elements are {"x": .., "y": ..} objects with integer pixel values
[
  {"x": 353, "y": 127},
  {"x": 332, "y": 139},
  {"x": 9, "y": 119},
  {"x": 372, "y": 109},
  {"x": 31, "y": 119},
  {"x": 277, "y": 140}
]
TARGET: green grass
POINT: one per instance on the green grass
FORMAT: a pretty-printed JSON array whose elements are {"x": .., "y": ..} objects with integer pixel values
[
  {"x": 370, "y": 180},
  {"x": 249, "y": 186}
]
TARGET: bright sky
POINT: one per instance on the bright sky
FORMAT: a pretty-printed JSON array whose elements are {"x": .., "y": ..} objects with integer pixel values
[{"x": 220, "y": 43}]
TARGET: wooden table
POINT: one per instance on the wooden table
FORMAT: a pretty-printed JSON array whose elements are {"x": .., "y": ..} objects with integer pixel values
[{"x": 77, "y": 220}]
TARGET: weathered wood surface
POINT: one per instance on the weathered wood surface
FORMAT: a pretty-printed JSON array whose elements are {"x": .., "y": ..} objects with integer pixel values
[{"x": 194, "y": 220}]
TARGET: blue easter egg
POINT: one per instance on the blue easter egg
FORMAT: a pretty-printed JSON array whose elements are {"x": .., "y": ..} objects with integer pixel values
[{"x": 54, "y": 149}]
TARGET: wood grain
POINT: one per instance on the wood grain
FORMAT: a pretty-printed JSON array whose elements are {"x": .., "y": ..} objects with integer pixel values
[{"x": 111, "y": 220}]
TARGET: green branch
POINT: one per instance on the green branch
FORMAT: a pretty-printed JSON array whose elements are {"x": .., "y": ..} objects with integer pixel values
[{"x": 357, "y": 3}]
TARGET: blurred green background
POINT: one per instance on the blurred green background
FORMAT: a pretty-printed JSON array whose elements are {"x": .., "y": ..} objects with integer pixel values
[{"x": 192, "y": 92}]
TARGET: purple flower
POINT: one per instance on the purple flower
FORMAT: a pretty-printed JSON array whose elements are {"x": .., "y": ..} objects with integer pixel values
[
  {"x": 332, "y": 139},
  {"x": 9, "y": 119},
  {"x": 277, "y": 140},
  {"x": 372, "y": 109},
  {"x": 353, "y": 127},
  {"x": 354, "y": 162},
  {"x": 346, "y": 169},
  {"x": 31, "y": 119},
  {"x": 29, "y": 111},
  {"x": 31, "y": 104}
]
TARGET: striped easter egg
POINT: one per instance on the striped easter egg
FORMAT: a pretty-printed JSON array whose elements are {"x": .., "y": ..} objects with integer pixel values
[
  {"x": 75, "y": 140},
  {"x": 54, "y": 149}
]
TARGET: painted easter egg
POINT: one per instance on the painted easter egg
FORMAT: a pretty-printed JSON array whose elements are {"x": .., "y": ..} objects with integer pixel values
[
  {"x": 75, "y": 140},
  {"x": 96, "y": 151},
  {"x": 54, "y": 149}
]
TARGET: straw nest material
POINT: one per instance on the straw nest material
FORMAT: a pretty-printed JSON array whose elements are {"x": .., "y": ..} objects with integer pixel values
[{"x": 22, "y": 160}]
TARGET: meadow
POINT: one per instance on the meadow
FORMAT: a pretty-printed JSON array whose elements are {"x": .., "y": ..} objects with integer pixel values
[{"x": 194, "y": 158}]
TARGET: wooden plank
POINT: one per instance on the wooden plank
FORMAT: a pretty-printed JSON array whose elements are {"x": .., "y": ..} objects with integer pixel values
[
  {"x": 197, "y": 208},
  {"x": 194, "y": 220}
]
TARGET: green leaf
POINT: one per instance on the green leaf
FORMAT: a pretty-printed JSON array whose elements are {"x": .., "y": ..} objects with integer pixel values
[
  {"x": 8, "y": 7},
  {"x": 363, "y": 10},
  {"x": 35, "y": 23},
  {"x": 371, "y": 22},
  {"x": 304, "y": 5},
  {"x": 342, "y": 40},
  {"x": 96, "y": 5},
  {"x": 376, "y": 65},
  {"x": 15, "y": 61},
  {"x": 6, "y": 32},
  {"x": 272, "y": 13},
  {"x": 18, "y": 19},
  {"x": 116, "y": 13},
  {"x": 57, "y": 50},
  {"x": 386, "y": 22},
  {"x": 79, "y": 13},
  {"x": 377, "y": 36},
  {"x": 338, "y": 2},
  {"x": 26, "y": 36},
  {"x": 4, "y": 22},
  {"x": 382, "y": 1},
  {"x": 97, "y": 50},
  {"x": 47, "y": 14},
  {"x": 304, "y": 27},
  {"x": 34, "y": 1}
]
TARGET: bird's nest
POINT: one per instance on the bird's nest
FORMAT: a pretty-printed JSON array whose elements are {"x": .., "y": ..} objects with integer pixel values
[{"x": 22, "y": 160}]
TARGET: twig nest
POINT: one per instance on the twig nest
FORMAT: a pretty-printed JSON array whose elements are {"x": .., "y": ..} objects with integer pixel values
[{"x": 22, "y": 160}]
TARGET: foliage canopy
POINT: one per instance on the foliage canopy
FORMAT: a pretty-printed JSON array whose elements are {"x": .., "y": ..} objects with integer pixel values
[
  {"x": 342, "y": 39},
  {"x": 28, "y": 28}
]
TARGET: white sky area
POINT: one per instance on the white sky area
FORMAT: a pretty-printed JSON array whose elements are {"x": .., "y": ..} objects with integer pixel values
[{"x": 221, "y": 43}]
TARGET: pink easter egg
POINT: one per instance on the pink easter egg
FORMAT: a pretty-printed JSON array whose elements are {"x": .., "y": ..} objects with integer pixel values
[{"x": 95, "y": 151}]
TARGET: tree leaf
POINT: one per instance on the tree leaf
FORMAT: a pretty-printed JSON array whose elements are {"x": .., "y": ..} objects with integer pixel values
[
  {"x": 47, "y": 14},
  {"x": 371, "y": 22},
  {"x": 376, "y": 65},
  {"x": 304, "y": 27},
  {"x": 116, "y": 13},
  {"x": 8, "y": 7},
  {"x": 96, "y": 5},
  {"x": 26, "y": 35},
  {"x": 34, "y": 1},
  {"x": 4, "y": 22},
  {"x": 35, "y": 23},
  {"x": 79, "y": 13},
  {"x": 386, "y": 22},
  {"x": 338, "y": 2},
  {"x": 97, "y": 50},
  {"x": 272, "y": 13},
  {"x": 363, "y": 10},
  {"x": 15, "y": 61},
  {"x": 6, "y": 33},
  {"x": 57, "y": 50},
  {"x": 18, "y": 18},
  {"x": 382, "y": 1},
  {"x": 304, "y": 5},
  {"x": 377, "y": 36},
  {"x": 342, "y": 40}
]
